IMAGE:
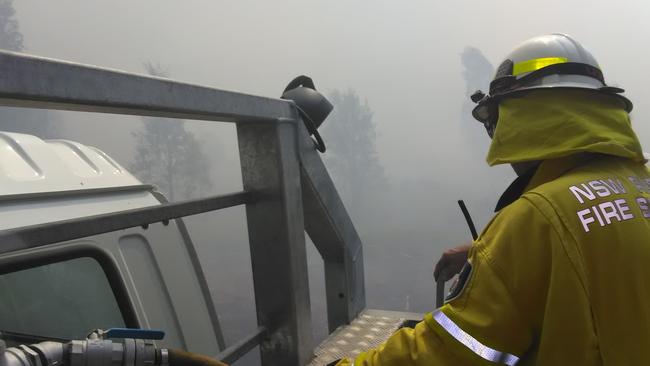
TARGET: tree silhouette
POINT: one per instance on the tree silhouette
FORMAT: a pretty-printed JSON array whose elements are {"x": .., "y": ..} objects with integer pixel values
[
  {"x": 477, "y": 73},
  {"x": 10, "y": 37},
  {"x": 169, "y": 156},
  {"x": 350, "y": 134},
  {"x": 32, "y": 121}
]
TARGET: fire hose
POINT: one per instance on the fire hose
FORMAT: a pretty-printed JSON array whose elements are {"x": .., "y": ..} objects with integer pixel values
[{"x": 113, "y": 347}]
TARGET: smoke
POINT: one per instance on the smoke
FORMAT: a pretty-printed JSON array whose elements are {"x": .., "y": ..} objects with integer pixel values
[{"x": 414, "y": 64}]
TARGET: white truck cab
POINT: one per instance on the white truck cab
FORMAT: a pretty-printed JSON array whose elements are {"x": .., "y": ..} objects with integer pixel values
[{"x": 143, "y": 277}]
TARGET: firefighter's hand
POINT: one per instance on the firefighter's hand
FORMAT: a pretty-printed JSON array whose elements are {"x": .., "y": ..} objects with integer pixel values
[
  {"x": 451, "y": 262},
  {"x": 182, "y": 358}
]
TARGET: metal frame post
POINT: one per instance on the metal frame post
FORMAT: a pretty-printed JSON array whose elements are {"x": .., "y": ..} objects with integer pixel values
[
  {"x": 269, "y": 164},
  {"x": 330, "y": 228}
]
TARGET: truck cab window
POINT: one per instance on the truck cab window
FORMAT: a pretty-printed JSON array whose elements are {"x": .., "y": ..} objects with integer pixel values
[{"x": 62, "y": 300}]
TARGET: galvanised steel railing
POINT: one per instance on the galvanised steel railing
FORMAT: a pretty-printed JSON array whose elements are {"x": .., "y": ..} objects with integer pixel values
[{"x": 287, "y": 191}]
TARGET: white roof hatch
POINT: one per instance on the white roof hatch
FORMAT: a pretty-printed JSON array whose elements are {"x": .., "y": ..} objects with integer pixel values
[{"x": 31, "y": 165}]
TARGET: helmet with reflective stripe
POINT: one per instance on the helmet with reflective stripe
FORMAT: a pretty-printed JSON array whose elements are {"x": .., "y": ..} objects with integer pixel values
[{"x": 549, "y": 61}]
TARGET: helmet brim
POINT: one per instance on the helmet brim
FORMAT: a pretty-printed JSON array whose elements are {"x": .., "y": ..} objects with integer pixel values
[
  {"x": 609, "y": 90},
  {"x": 483, "y": 113}
]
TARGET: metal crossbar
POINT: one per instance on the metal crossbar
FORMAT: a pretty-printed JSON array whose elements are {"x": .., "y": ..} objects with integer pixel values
[
  {"x": 38, "y": 82},
  {"x": 243, "y": 346},
  {"x": 42, "y": 234},
  {"x": 74, "y": 193}
]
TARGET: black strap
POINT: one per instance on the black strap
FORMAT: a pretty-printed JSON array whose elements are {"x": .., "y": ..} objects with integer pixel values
[
  {"x": 301, "y": 80},
  {"x": 311, "y": 128},
  {"x": 516, "y": 189}
]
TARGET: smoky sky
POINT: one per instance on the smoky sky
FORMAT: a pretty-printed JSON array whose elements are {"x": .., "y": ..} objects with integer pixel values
[{"x": 401, "y": 56}]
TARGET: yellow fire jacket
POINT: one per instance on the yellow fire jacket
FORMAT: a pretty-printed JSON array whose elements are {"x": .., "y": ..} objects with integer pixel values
[{"x": 560, "y": 275}]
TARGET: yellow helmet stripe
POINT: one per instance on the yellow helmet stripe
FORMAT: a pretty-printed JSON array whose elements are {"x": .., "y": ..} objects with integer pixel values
[{"x": 536, "y": 64}]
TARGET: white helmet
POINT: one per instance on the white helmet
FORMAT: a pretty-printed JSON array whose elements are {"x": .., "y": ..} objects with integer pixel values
[{"x": 549, "y": 61}]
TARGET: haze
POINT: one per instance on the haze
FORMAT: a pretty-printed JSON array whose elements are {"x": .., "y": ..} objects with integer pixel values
[{"x": 401, "y": 57}]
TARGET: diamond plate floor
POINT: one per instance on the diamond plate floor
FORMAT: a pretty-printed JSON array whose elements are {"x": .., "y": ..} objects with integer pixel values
[{"x": 368, "y": 330}]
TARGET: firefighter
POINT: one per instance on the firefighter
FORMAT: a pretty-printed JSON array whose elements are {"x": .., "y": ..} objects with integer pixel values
[{"x": 560, "y": 274}]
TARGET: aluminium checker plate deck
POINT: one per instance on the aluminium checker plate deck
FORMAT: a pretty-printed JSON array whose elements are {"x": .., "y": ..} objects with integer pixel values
[{"x": 370, "y": 329}]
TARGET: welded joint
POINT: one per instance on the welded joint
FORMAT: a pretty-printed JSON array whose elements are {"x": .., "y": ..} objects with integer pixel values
[{"x": 279, "y": 341}]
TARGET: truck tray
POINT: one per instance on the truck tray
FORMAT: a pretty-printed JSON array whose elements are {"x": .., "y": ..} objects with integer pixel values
[{"x": 370, "y": 329}]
